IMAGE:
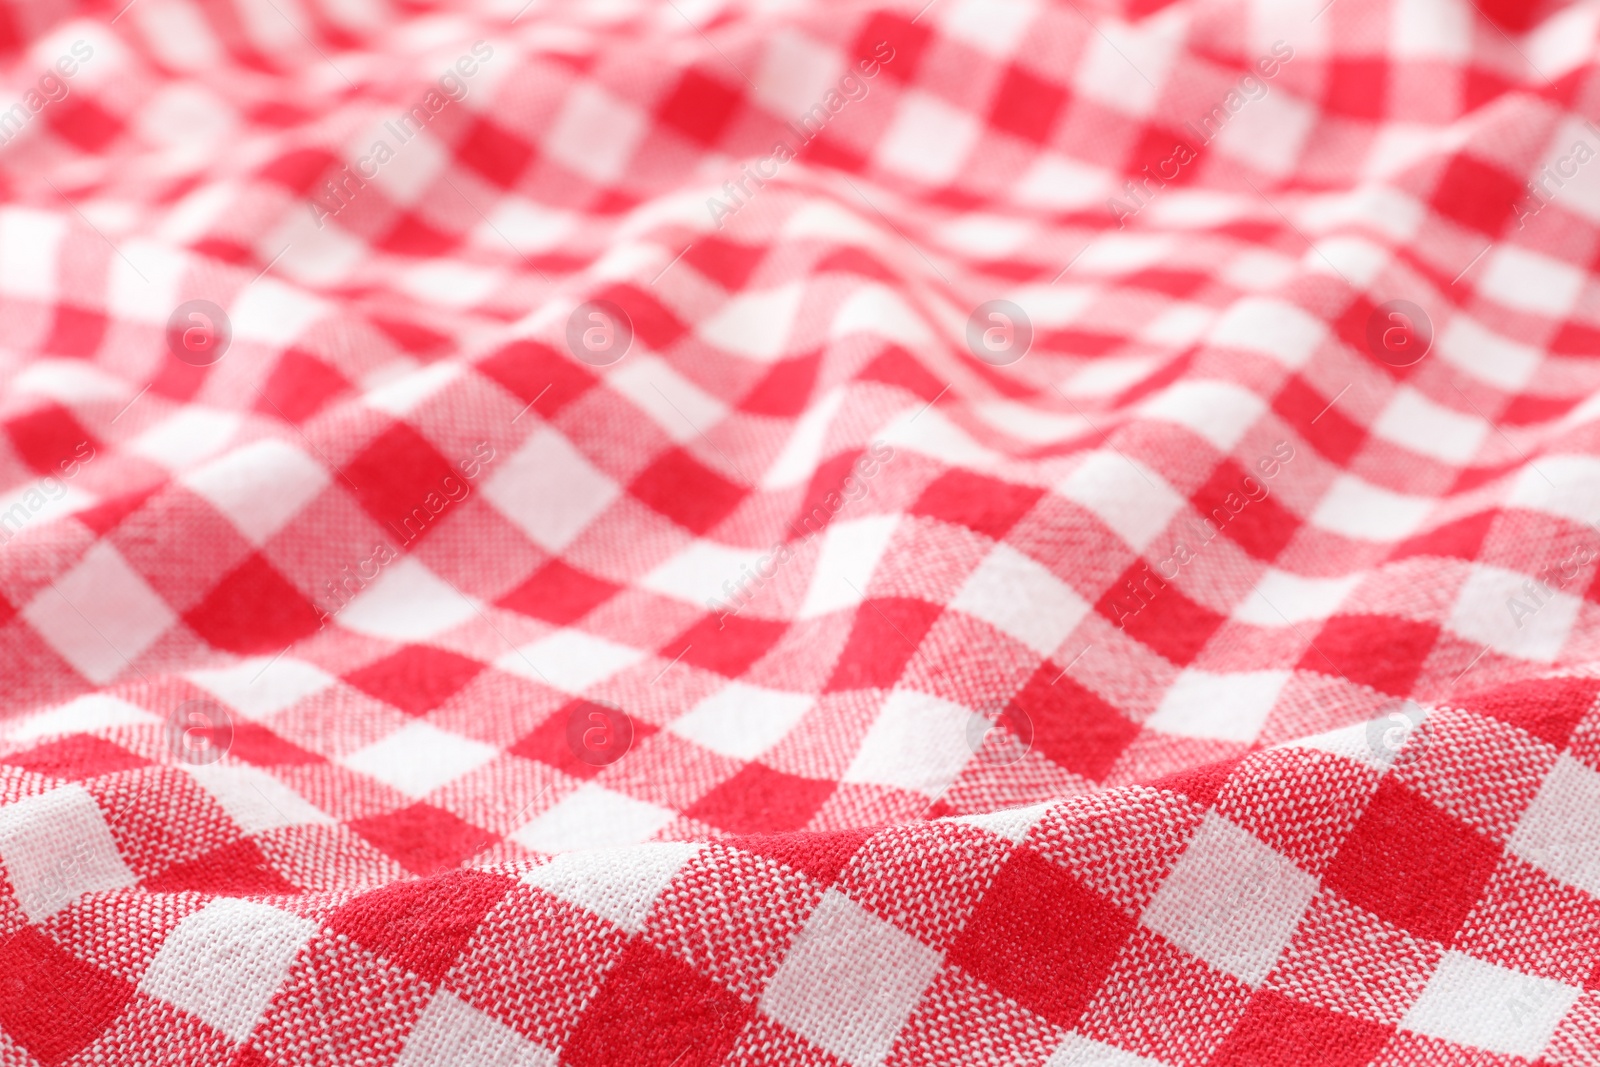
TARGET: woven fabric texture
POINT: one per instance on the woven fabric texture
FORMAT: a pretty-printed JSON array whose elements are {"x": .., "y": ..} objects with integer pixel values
[{"x": 1003, "y": 532}]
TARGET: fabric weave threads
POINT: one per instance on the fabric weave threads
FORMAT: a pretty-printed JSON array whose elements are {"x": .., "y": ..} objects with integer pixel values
[{"x": 588, "y": 588}]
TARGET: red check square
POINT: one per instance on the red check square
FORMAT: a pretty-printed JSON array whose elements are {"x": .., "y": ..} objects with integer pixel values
[
  {"x": 1043, "y": 939},
  {"x": 1412, "y": 865}
]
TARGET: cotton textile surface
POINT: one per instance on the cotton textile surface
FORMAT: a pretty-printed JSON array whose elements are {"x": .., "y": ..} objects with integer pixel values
[{"x": 599, "y": 580}]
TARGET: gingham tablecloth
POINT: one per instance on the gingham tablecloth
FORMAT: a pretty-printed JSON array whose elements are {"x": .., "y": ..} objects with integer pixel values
[{"x": 1020, "y": 532}]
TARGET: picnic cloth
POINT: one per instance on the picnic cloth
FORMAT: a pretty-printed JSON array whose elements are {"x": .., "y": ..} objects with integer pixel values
[{"x": 983, "y": 532}]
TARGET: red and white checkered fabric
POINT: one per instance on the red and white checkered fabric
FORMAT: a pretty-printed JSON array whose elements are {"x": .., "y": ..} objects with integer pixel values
[{"x": 1210, "y": 685}]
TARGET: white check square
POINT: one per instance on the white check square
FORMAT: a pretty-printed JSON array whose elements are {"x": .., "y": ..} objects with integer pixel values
[
  {"x": 254, "y": 799},
  {"x": 1483, "y": 1006},
  {"x": 681, "y": 408},
  {"x": 1488, "y": 356},
  {"x": 704, "y": 570},
  {"x": 918, "y": 742},
  {"x": 550, "y": 490},
  {"x": 1219, "y": 412},
  {"x": 260, "y": 487},
  {"x": 617, "y": 884},
  {"x": 100, "y": 616},
  {"x": 1431, "y": 429},
  {"x": 590, "y": 817},
  {"x": 1019, "y": 596},
  {"x": 742, "y": 720},
  {"x": 854, "y": 1011},
  {"x": 1231, "y": 900},
  {"x": 223, "y": 963},
  {"x": 1136, "y": 502},
  {"x": 997, "y": 27},
  {"x": 261, "y": 686},
  {"x": 451, "y": 1032},
  {"x": 1567, "y": 486},
  {"x": 86, "y": 714},
  {"x": 1282, "y": 598},
  {"x": 1560, "y": 831},
  {"x": 595, "y": 133},
  {"x": 1080, "y": 1051},
  {"x": 1124, "y": 64},
  {"x": 1275, "y": 328},
  {"x": 408, "y": 602},
  {"x": 187, "y": 438},
  {"x": 1356, "y": 508},
  {"x": 419, "y": 758},
  {"x": 1226, "y": 707},
  {"x": 850, "y": 553},
  {"x": 1529, "y": 281},
  {"x": 928, "y": 139},
  {"x": 56, "y": 847},
  {"x": 1268, "y": 134},
  {"x": 1514, "y": 614},
  {"x": 795, "y": 72},
  {"x": 570, "y": 660},
  {"x": 755, "y": 324}
]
